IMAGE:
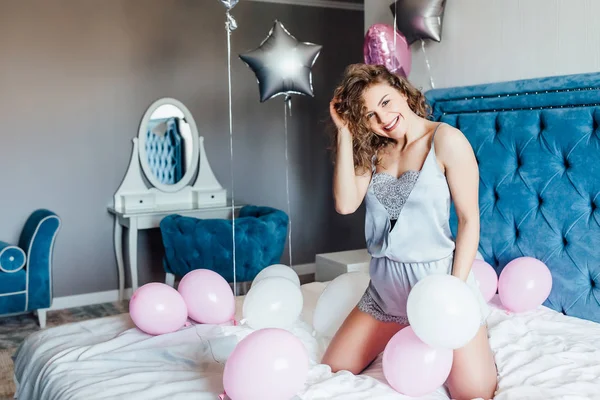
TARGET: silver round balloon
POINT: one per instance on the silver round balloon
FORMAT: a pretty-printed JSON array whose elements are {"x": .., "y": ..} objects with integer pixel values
[
  {"x": 282, "y": 64},
  {"x": 419, "y": 19}
]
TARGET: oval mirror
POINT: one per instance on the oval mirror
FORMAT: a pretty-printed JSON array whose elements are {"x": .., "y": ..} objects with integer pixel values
[{"x": 168, "y": 145}]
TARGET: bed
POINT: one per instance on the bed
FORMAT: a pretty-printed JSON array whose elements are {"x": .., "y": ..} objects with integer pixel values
[
  {"x": 538, "y": 146},
  {"x": 540, "y": 355}
]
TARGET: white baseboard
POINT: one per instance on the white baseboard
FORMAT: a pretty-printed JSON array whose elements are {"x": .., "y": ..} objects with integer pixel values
[
  {"x": 110, "y": 296},
  {"x": 87, "y": 299},
  {"x": 305, "y": 269}
]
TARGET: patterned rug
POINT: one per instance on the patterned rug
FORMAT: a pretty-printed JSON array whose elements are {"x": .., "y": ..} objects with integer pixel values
[{"x": 13, "y": 330}]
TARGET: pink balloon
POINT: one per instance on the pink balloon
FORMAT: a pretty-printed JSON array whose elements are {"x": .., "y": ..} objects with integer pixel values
[
  {"x": 156, "y": 308},
  {"x": 486, "y": 277},
  {"x": 268, "y": 364},
  {"x": 524, "y": 284},
  {"x": 414, "y": 368},
  {"x": 378, "y": 49},
  {"x": 208, "y": 297}
]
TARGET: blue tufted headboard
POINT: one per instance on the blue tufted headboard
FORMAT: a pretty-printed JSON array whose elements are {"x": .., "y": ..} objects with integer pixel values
[{"x": 537, "y": 143}]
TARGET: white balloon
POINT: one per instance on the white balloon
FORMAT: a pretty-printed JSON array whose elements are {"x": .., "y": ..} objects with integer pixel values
[
  {"x": 338, "y": 299},
  {"x": 443, "y": 311},
  {"x": 274, "y": 302},
  {"x": 279, "y": 270}
]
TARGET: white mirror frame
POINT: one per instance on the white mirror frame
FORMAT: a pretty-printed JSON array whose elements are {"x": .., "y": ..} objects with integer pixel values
[
  {"x": 143, "y": 156},
  {"x": 134, "y": 195}
]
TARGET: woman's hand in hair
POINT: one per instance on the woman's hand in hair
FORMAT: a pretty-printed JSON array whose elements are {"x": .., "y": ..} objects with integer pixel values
[{"x": 339, "y": 122}]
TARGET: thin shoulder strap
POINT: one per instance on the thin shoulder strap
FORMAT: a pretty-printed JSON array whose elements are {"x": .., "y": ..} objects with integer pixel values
[
  {"x": 436, "y": 129},
  {"x": 434, "y": 132}
]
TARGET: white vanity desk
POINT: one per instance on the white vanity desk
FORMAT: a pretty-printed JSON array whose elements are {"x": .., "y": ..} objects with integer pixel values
[
  {"x": 149, "y": 194},
  {"x": 138, "y": 221}
]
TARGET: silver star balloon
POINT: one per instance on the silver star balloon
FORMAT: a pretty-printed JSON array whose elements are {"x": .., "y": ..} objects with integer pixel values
[
  {"x": 419, "y": 19},
  {"x": 282, "y": 64}
]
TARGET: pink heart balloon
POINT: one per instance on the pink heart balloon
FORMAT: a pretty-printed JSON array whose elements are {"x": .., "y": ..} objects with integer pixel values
[{"x": 378, "y": 49}]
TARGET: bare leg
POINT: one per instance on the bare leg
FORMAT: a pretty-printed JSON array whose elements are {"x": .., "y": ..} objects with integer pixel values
[
  {"x": 358, "y": 342},
  {"x": 473, "y": 372}
]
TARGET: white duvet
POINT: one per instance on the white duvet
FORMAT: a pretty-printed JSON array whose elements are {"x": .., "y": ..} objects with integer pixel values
[{"x": 540, "y": 355}]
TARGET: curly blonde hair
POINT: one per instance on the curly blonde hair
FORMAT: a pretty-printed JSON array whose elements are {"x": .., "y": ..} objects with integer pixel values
[{"x": 350, "y": 106}]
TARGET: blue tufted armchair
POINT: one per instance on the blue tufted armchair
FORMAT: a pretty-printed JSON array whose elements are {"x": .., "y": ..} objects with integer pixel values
[
  {"x": 192, "y": 243},
  {"x": 26, "y": 269}
]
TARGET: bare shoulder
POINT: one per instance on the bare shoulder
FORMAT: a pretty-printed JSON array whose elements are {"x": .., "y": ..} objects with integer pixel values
[{"x": 451, "y": 143}]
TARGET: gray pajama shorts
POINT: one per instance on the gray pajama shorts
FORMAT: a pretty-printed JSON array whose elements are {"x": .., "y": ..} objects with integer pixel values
[{"x": 386, "y": 297}]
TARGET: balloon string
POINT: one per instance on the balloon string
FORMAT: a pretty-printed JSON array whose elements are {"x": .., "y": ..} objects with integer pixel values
[
  {"x": 230, "y": 25},
  {"x": 395, "y": 27},
  {"x": 288, "y": 107},
  {"x": 427, "y": 64}
]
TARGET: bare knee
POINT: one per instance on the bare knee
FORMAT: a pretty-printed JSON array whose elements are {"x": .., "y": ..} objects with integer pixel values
[
  {"x": 473, "y": 388},
  {"x": 358, "y": 342},
  {"x": 339, "y": 360},
  {"x": 338, "y": 365},
  {"x": 474, "y": 373}
]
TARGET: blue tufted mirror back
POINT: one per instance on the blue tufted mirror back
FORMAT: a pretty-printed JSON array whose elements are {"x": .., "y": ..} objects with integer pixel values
[
  {"x": 537, "y": 143},
  {"x": 165, "y": 152}
]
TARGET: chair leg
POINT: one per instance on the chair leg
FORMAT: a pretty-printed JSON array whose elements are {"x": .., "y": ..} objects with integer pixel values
[
  {"x": 170, "y": 280},
  {"x": 41, "y": 314}
]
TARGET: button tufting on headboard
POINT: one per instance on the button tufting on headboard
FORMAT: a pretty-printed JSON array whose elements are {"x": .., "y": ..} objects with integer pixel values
[
  {"x": 519, "y": 162},
  {"x": 537, "y": 147}
]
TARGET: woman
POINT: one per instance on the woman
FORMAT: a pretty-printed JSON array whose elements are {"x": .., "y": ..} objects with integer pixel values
[{"x": 407, "y": 169}]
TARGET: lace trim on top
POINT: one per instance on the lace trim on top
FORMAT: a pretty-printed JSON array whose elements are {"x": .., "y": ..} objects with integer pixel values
[{"x": 391, "y": 192}]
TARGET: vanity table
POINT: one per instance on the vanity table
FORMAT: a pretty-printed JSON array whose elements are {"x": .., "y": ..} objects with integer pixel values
[{"x": 170, "y": 153}]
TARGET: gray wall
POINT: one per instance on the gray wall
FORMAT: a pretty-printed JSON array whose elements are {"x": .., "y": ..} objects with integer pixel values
[
  {"x": 76, "y": 77},
  {"x": 562, "y": 38}
]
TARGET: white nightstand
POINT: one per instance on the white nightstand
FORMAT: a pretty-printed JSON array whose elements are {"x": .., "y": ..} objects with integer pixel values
[{"x": 331, "y": 265}]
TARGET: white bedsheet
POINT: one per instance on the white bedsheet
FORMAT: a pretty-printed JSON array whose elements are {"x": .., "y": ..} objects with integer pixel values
[{"x": 540, "y": 355}]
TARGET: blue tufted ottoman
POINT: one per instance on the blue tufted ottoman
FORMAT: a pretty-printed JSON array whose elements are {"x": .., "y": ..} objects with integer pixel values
[{"x": 192, "y": 243}]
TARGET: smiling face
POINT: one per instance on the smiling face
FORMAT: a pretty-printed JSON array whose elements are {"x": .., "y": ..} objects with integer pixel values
[
  {"x": 387, "y": 110},
  {"x": 393, "y": 106}
]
